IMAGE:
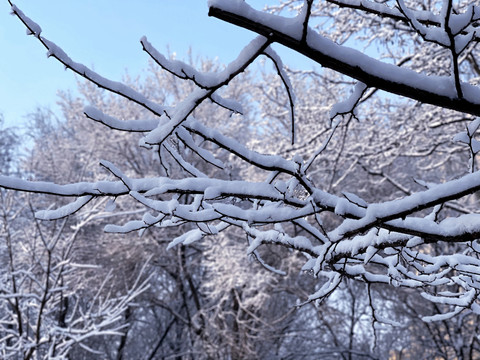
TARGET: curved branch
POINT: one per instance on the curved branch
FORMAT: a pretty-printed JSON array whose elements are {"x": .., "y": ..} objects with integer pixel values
[{"x": 374, "y": 73}]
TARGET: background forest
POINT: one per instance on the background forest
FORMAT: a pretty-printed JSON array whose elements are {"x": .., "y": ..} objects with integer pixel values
[{"x": 74, "y": 291}]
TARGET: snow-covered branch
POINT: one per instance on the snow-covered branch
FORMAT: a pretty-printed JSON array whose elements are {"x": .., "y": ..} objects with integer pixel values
[
  {"x": 343, "y": 198},
  {"x": 374, "y": 73}
]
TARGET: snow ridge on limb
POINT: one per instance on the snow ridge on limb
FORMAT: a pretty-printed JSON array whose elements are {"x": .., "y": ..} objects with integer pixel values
[
  {"x": 212, "y": 84},
  {"x": 435, "y": 90},
  {"x": 187, "y": 72},
  {"x": 124, "y": 125},
  {"x": 56, "y": 52}
]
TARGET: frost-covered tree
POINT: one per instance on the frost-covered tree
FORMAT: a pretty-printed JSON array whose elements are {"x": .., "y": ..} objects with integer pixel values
[
  {"x": 314, "y": 196},
  {"x": 190, "y": 308},
  {"x": 50, "y": 304}
]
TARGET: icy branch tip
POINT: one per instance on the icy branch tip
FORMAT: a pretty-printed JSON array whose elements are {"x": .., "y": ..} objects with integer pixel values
[{"x": 32, "y": 27}]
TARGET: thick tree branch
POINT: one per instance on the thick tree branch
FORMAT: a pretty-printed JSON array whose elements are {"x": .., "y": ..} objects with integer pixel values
[{"x": 426, "y": 89}]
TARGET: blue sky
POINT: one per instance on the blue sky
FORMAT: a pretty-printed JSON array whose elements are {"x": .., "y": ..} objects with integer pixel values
[{"x": 104, "y": 34}]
